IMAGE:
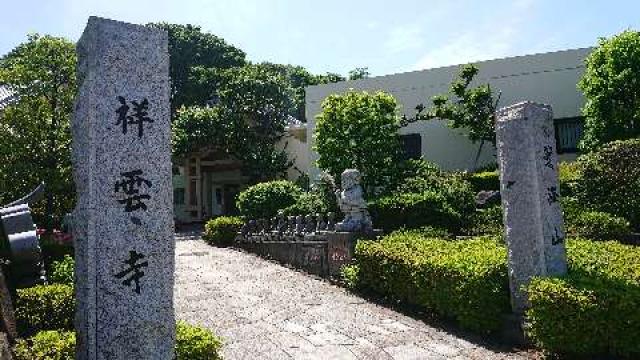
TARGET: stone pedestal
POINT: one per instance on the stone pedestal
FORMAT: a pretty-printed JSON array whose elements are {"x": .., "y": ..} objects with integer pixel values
[
  {"x": 530, "y": 196},
  {"x": 123, "y": 221},
  {"x": 7, "y": 315}
]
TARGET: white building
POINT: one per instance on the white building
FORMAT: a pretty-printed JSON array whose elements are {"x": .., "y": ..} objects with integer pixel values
[
  {"x": 549, "y": 78},
  {"x": 207, "y": 184}
]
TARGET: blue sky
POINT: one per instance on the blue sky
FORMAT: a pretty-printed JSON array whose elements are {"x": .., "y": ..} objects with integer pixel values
[{"x": 325, "y": 35}]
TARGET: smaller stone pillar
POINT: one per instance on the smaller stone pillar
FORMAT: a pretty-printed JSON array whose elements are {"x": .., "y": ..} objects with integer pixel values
[{"x": 530, "y": 192}]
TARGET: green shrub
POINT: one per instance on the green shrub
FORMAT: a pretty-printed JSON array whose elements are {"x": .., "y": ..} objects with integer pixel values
[
  {"x": 47, "y": 345},
  {"x": 265, "y": 199},
  {"x": 350, "y": 276},
  {"x": 466, "y": 280},
  {"x": 486, "y": 180},
  {"x": 593, "y": 310},
  {"x": 568, "y": 175},
  {"x": 61, "y": 271},
  {"x": 308, "y": 203},
  {"x": 597, "y": 225},
  {"x": 610, "y": 180},
  {"x": 44, "y": 307},
  {"x": 222, "y": 230},
  {"x": 192, "y": 343},
  {"x": 443, "y": 201},
  {"x": 487, "y": 222},
  {"x": 196, "y": 343}
]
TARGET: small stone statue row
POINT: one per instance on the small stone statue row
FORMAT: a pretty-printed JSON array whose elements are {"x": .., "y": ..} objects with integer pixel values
[{"x": 290, "y": 225}]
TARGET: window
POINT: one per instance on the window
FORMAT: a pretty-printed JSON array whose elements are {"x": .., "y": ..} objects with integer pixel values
[
  {"x": 178, "y": 196},
  {"x": 193, "y": 197},
  {"x": 411, "y": 146},
  {"x": 568, "y": 134}
]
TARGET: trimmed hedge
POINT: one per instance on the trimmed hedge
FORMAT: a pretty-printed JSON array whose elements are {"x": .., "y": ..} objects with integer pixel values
[
  {"x": 222, "y": 230},
  {"x": 610, "y": 180},
  {"x": 443, "y": 200},
  {"x": 265, "y": 199},
  {"x": 47, "y": 345},
  {"x": 196, "y": 343},
  {"x": 466, "y": 280},
  {"x": 593, "y": 310},
  {"x": 44, "y": 307},
  {"x": 308, "y": 203},
  {"x": 192, "y": 343},
  {"x": 61, "y": 271},
  {"x": 486, "y": 180},
  {"x": 597, "y": 225}
]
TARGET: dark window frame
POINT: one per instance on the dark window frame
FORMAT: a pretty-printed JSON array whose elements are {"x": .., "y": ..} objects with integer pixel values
[
  {"x": 578, "y": 132},
  {"x": 411, "y": 146}
]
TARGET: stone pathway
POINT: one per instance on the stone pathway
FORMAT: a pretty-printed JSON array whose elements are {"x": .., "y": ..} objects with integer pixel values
[{"x": 263, "y": 310}]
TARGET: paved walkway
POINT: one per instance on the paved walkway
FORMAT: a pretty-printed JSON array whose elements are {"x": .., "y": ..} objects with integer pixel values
[{"x": 266, "y": 311}]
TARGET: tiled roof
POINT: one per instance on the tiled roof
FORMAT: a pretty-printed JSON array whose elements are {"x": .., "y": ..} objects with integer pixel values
[{"x": 6, "y": 96}]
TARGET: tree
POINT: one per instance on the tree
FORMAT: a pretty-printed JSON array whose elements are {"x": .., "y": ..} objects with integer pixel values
[
  {"x": 359, "y": 130},
  {"x": 35, "y": 129},
  {"x": 611, "y": 85},
  {"x": 472, "y": 109},
  {"x": 359, "y": 73},
  {"x": 246, "y": 122},
  {"x": 194, "y": 53}
]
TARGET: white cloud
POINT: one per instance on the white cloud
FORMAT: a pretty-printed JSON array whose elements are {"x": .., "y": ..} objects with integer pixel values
[{"x": 402, "y": 38}]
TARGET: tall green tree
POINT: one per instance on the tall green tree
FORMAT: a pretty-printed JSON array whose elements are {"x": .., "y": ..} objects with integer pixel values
[
  {"x": 465, "y": 107},
  {"x": 246, "y": 122},
  {"x": 359, "y": 73},
  {"x": 35, "y": 128},
  {"x": 194, "y": 58},
  {"x": 359, "y": 130},
  {"x": 611, "y": 85}
]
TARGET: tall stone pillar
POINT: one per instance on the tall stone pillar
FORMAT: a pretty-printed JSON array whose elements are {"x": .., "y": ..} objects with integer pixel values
[
  {"x": 530, "y": 191},
  {"x": 123, "y": 221}
]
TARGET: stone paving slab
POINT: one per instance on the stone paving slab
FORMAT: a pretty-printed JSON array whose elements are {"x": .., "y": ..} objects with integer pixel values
[{"x": 263, "y": 310}]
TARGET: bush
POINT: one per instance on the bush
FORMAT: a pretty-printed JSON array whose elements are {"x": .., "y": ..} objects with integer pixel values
[
  {"x": 487, "y": 222},
  {"x": 443, "y": 201},
  {"x": 192, "y": 343},
  {"x": 593, "y": 310},
  {"x": 222, "y": 230},
  {"x": 350, "y": 275},
  {"x": 308, "y": 203},
  {"x": 265, "y": 199},
  {"x": 610, "y": 180},
  {"x": 44, "y": 307},
  {"x": 486, "y": 180},
  {"x": 61, "y": 272},
  {"x": 597, "y": 225},
  {"x": 568, "y": 175},
  {"x": 466, "y": 280},
  {"x": 196, "y": 343},
  {"x": 47, "y": 345}
]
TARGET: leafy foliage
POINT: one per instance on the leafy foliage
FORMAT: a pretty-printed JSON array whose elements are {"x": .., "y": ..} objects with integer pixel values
[
  {"x": 598, "y": 225},
  {"x": 359, "y": 130},
  {"x": 472, "y": 109},
  {"x": 430, "y": 197},
  {"x": 466, "y": 280},
  {"x": 44, "y": 307},
  {"x": 611, "y": 84},
  {"x": 196, "y": 343},
  {"x": 35, "y": 128},
  {"x": 62, "y": 271},
  {"x": 263, "y": 200},
  {"x": 610, "y": 180},
  {"x": 246, "y": 123},
  {"x": 594, "y": 309},
  {"x": 222, "y": 230},
  {"x": 193, "y": 53},
  {"x": 485, "y": 180},
  {"x": 47, "y": 345},
  {"x": 359, "y": 73}
]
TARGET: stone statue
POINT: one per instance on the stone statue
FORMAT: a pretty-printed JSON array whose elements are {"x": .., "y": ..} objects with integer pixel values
[{"x": 352, "y": 204}]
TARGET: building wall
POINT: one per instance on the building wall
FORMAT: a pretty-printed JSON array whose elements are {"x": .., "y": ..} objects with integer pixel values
[{"x": 549, "y": 78}]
